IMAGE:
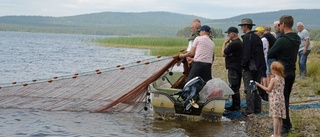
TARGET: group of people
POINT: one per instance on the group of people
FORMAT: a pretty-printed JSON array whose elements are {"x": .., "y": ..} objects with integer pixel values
[{"x": 260, "y": 55}]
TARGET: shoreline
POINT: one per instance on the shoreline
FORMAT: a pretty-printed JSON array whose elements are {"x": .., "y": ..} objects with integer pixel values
[{"x": 304, "y": 121}]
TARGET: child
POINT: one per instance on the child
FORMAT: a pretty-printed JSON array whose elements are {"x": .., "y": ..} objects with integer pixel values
[{"x": 276, "y": 98}]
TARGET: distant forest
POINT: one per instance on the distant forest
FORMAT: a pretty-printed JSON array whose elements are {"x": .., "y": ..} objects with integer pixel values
[{"x": 149, "y": 23}]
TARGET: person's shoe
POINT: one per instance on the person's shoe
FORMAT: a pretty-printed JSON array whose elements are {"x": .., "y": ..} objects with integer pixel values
[
  {"x": 233, "y": 108},
  {"x": 246, "y": 114}
]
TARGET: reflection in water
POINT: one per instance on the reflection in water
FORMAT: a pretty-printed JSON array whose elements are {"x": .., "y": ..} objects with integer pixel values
[{"x": 188, "y": 128}]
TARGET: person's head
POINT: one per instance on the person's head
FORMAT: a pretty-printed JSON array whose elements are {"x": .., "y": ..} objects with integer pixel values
[
  {"x": 205, "y": 30},
  {"x": 195, "y": 26},
  {"x": 277, "y": 68},
  {"x": 266, "y": 29},
  {"x": 196, "y": 20},
  {"x": 300, "y": 26},
  {"x": 259, "y": 31},
  {"x": 285, "y": 23},
  {"x": 232, "y": 32},
  {"x": 246, "y": 25},
  {"x": 276, "y": 26}
]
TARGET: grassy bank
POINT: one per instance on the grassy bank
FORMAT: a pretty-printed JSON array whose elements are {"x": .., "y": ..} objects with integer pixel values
[
  {"x": 305, "y": 121},
  {"x": 168, "y": 46},
  {"x": 164, "y": 46}
]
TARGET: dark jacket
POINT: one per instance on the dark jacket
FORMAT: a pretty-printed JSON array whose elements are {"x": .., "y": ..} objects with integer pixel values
[
  {"x": 252, "y": 48},
  {"x": 271, "y": 39},
  {"x": 285, "y": 50},
  {"x": 233, "y": 54}
]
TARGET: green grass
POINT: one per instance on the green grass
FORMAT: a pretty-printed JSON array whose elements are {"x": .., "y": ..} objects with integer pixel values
[{"x": 163, "y": 46}]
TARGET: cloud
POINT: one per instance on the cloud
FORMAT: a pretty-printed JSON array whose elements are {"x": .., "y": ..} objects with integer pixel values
[{"x": 204, "y": 8}]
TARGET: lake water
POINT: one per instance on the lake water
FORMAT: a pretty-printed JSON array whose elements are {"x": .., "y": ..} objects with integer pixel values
[{"x": 27, "y": 56}]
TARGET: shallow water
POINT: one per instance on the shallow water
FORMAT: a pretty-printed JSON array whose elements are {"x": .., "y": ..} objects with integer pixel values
[
  {"x": 27, "y": 56},
  {"x": 36, "y": 123}
]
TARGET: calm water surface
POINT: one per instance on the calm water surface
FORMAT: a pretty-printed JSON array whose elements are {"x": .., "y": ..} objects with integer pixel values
[{"x": 27, "y": 56}]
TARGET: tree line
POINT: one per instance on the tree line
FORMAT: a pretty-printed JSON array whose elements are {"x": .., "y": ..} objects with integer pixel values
[{"x": 185, "y": 32}]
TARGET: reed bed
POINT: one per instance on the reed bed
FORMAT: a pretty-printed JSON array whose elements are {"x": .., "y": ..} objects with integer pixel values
[{"x": 163, "y": 46}]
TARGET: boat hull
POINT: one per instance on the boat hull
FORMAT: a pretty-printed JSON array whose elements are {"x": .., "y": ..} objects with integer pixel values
[{"x": 165, "y": 106}]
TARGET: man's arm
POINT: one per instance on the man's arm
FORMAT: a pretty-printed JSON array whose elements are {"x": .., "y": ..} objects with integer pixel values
[
  {"x": 246, "y": 51},
  {"x": 275, "y": 49}
]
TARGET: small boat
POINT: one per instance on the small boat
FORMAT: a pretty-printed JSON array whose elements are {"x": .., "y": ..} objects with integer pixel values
[{"x": 168, "y": 103}]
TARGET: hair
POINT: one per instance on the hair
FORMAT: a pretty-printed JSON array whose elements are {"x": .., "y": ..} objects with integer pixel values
[
  {"x": 277, "y": 68},
  {"x": 276, "y": 22},
  {"x": 267, "y": 28},
  {"x": 300, "y": 24},
  {"x": 287, "y": 20},
  {"x": 196, "y": 20},
  {"x": 249, "y": 26}
]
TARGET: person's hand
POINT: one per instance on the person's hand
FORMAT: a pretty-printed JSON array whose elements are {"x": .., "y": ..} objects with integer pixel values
[
  {"x": 226, "y": 40},
  {"x": 304, "y": 51},
  {"x": 189, "y": 60},
  {"x": 181, "y": 56}
]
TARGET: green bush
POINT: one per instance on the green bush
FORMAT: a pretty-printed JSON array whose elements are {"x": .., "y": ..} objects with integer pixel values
[{"x": 315, "y": 47}]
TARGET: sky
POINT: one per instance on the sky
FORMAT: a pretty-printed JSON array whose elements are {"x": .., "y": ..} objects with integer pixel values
[{"x": 211, "y": 9}]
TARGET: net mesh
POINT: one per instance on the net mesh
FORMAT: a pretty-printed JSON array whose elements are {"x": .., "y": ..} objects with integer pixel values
[{"x": 119, "y": 88}]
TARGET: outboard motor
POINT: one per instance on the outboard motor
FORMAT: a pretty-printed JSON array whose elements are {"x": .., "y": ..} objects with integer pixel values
[{"x": 190, "y": 92}]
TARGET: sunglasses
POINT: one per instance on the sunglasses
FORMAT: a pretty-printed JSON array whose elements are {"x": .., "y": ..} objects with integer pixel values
[{"x": 279, "y": 25}]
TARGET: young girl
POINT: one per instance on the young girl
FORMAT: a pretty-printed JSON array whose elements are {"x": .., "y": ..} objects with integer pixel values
[{"x": 276, "y": 98}]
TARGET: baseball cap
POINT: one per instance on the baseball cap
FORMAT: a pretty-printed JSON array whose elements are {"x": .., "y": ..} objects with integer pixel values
[
  {"x": 232, "y": 29},
  {"x": 260, "y": 29},
  {"x": 205, "y": 28}
]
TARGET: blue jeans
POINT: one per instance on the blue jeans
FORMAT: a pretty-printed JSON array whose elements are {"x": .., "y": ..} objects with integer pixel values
[
  {"x": 303, "y": 63},
  {"x": 269, "y": 62}
]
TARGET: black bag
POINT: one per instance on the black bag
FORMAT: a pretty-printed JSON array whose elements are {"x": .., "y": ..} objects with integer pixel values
[{"x": 263, "y": 94}]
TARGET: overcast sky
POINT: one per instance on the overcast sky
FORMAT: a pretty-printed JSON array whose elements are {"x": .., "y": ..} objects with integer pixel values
[{"x": 212, "y": 9}]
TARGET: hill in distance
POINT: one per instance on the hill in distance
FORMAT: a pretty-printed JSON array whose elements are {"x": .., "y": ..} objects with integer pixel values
[{"x": 143, "y": 23}]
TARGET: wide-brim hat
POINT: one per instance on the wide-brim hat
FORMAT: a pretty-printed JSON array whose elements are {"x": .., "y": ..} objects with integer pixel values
[{"x": 246, "y": 21}]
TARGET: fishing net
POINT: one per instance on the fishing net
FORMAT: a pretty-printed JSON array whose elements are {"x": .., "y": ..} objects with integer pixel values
[{"x": 118, "y": 88}]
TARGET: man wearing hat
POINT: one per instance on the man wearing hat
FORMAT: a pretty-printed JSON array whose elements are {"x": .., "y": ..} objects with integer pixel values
[
  {"x": 252, "y": 64},
  {"x": 202, "y": 50},
  {"x": 232, "y": 54}
]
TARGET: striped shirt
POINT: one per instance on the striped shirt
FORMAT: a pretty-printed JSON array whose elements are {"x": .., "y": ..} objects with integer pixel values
[{"x": 204, "y": 49}]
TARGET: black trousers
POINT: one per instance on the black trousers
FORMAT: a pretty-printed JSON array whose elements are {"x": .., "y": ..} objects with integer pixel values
[
  {"x": 289, "y": 80},
  {"x": 234, "y": 78},
  {"x": 252, "y": 98},
  {"x": 202, "y": 70}
]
